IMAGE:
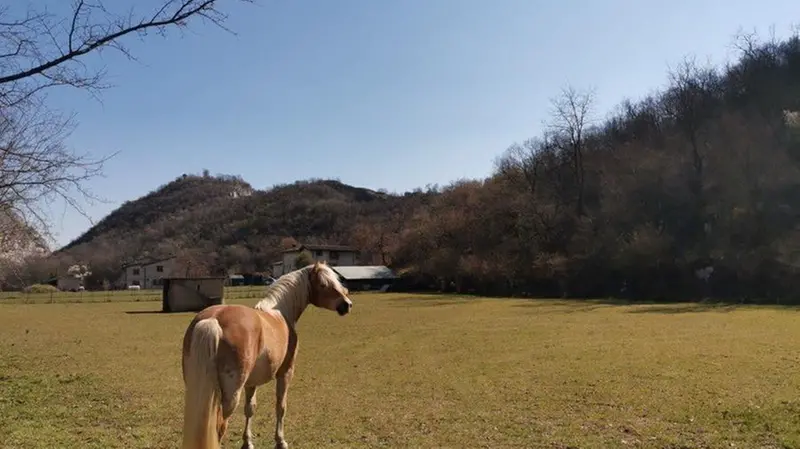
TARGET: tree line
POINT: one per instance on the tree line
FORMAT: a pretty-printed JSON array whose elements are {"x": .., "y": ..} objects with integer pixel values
[{"x": 691, "y": 192}]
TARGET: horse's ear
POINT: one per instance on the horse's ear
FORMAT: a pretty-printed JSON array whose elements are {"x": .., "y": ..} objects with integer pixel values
[{"x": 323, "y": 262}]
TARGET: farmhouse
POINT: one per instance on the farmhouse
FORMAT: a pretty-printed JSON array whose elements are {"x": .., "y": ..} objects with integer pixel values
[
  {"x": 191, "y": 294},
  {"x": 372, "y": 277},
  {"x": 148, "y": 273},
  {"x": 331, "y": 254}
]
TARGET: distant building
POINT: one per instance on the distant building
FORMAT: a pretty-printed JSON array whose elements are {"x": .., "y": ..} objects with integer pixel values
[
  {"x": 68, "y": 283},
  {"x": 235, "y": 280},
  {"x": 373, "y": 277},
  {"x": 180, "y": 294},
  {"x": 277, "y": 268},
  {"x": 65, "y": 283},
  {"x": 333, "y": 255},
  {"x": 149, "y": 273}
]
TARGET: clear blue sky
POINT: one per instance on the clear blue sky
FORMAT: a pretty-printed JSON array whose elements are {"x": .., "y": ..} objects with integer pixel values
[{"x": 378, "y": 93}]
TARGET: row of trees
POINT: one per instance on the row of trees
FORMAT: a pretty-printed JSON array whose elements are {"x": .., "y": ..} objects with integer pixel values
[{"x": 705, "y": 173}]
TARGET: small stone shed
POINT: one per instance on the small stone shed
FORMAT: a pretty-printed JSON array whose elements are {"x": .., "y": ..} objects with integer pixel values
[{"x": 191, "y": 294}]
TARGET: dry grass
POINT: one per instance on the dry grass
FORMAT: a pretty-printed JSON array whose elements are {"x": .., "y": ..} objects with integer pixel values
[{"x": 423, "y": 372}]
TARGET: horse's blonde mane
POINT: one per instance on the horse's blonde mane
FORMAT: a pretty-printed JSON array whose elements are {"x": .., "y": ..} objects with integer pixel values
[
  {"x": 290, "y": 293},
  {"x": 292, "y": 287}
]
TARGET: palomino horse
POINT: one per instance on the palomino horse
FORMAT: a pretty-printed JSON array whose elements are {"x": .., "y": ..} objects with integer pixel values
[{"x": 229, "y": 348}]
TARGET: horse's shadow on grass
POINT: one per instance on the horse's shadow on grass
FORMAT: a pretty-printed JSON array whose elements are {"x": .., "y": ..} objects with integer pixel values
[
  {"x": 432, "y": 300},
  {"x": 687, "y": 308},
  {"x": 157, "y": 312},
  {"x": 432, "y": 303}
]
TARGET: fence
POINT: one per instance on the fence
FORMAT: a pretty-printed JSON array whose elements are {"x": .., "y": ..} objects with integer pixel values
[{"x": 231, "y": 293}]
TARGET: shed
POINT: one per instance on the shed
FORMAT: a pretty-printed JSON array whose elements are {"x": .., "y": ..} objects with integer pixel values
[
  {"x": 366, "y": 277},
  {"x": 235, "y": 280},
  {"x": 191, "y": 294},
  {"x": 65, "y": 283}
]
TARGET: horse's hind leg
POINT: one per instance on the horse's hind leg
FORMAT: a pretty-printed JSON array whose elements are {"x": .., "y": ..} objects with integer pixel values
[
  {"x": 281, "y": 389},
  {"x": 231, "y": 383},
  {"x": 249, "y": 411}
]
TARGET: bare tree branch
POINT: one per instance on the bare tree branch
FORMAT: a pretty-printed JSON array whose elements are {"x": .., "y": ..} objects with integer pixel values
[
  {"x": 39, "y": 51},
  {"x": 572, "y": 114},
  {"x": 94, "y": 36}
]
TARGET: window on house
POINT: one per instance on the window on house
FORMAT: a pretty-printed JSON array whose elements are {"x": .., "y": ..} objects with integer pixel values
[
  {"x": 160, "y": 268},
  {"x": 318, "y": 253},
  {"x": 334, "y": 255},
  {"x": 135, "y": 271}
]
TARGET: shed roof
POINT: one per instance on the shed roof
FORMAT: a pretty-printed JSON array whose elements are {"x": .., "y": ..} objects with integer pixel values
[
  {"x": 314, "y": 247},
  {"x": 353, "y": 272},
  {"x": 197, "y": 278},
  {"x": 147, "y": 261}
]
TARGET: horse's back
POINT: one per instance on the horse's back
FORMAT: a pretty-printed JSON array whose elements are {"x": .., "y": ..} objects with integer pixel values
[{"x": 254, "y": 341}]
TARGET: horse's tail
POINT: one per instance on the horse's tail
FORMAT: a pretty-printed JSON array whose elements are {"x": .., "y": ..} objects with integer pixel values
[{"x": 202, "y": 393}]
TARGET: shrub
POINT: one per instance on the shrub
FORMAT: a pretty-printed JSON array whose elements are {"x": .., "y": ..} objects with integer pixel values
[{"x": 40, "y": 288}]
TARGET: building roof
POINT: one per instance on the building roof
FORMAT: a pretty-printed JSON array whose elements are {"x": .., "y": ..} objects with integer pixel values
[
  {"x": 197, "y": 278},
  {"x": 147, "y": 261},
  {"x": 354, "y": 272},
  {"x": 321, "y": 247}
]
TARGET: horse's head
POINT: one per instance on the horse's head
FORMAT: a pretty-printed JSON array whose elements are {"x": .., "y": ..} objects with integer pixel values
[{"x": 326, "y": 290}]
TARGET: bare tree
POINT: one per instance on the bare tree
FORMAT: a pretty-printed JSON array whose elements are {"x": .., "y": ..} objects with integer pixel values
[
  {"x": 535, "y": 167},
  {"x": 571, "y": 117},
  {"x": 691, "y": 103},
  {"x": 39, "y": 51},
  {"x": 526, "y": 166}
]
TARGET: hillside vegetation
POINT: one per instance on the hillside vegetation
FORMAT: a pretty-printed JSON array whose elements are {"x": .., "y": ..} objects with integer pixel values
[
  {"x": 220, "y": 224},
  {"x": 705, "y": 172}
]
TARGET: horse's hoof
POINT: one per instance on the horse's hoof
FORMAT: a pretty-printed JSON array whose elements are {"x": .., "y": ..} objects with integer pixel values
[
  {"x": 282, "y": 445},
  {"x": 248, "y": 446}
]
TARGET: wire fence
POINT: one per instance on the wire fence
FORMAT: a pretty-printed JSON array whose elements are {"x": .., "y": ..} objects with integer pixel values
[{"x": 17, "y": 297}]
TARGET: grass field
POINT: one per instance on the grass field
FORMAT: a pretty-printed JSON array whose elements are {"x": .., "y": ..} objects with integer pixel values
[{"x": 427, "y": 372}]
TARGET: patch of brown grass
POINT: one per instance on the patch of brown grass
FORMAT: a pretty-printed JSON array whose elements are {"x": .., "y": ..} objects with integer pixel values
[{"x": 404, "y": 371}]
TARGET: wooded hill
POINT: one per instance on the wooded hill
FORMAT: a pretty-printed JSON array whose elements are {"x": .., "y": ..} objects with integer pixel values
[
  {"x": 221, "y": 224},
  {"x": 705, "y": 172}
]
